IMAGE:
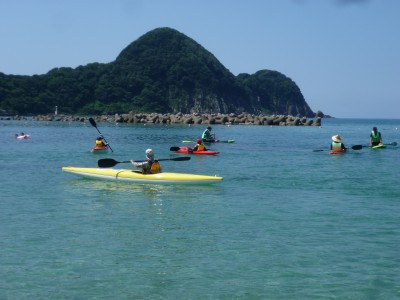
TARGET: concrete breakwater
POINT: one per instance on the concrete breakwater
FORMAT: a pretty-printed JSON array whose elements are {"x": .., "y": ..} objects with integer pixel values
[{"x": 179, "y": 118}]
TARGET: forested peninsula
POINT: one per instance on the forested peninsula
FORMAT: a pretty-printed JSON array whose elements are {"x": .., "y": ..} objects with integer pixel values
[{"x": 162, "y": 72}]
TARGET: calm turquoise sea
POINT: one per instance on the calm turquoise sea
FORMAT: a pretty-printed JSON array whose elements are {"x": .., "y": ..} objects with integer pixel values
[{"x": 285, "y": 223}]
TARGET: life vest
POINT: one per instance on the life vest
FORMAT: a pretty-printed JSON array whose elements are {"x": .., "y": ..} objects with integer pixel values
[
  {"x": 206, "y": 135},
  {"x": 376, "y": 138},
  {"x": 99, "y": 143},
  {"x": 200, "y": 147},
  {"x": 152, "y": 167},
  {"x": 155, "y": 167},
  {"x": 337, "y": 147}
]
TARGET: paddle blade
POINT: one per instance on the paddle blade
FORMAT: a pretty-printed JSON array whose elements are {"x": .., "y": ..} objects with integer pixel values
[
  {"x": 109, "y": 162},
  {"x": 174, "y": 148},
  {"x": 356, "y": 147},
  {"x": 106, "y": 163},
  {"x": 93, "y": 122}
]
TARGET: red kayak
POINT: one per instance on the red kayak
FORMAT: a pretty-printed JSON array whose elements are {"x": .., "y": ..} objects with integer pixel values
[
  {"x": 189, "y": 150},
  {"x": 338, "y": 152},
  {"x": 99, "y": 149}
]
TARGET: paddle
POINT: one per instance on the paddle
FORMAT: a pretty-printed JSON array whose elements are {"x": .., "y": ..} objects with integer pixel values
[
  {"x": 95, "y": 126},
  {"x": 109, "y": 162},
  {"x": 217, "y": 141},
  {"x": 355, "y": 147},
  {"x": 174, "y": 148}
]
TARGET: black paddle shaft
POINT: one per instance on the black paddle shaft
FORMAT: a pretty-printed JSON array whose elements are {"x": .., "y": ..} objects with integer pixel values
[{"x": 109, "y": 162}]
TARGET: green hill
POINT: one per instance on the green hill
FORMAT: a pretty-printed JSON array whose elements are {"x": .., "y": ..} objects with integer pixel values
[{"x": 163, "y": 71}]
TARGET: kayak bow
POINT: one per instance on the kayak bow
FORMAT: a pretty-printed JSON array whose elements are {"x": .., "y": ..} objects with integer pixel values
[{"x": 99, "y": 149}]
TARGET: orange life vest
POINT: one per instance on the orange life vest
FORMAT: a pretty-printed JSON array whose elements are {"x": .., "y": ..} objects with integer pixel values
[{"x": 200, "y": 147}]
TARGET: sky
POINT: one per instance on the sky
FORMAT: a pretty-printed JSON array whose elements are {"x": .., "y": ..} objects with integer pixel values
[{"x": 343, "y": 54}]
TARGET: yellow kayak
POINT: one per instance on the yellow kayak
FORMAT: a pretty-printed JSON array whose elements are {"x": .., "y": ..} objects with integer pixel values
[{"x": 132, "y": 175}]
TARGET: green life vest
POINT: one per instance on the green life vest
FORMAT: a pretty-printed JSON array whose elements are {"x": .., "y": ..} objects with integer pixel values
[
  {"x": 375, "y": 137},
  {"x": 206, "y": 135},
  {"x": 336, "y": 146}
]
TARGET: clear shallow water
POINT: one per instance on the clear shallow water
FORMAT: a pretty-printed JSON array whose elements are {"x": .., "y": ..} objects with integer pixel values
[{"x": 286, "y": 222}]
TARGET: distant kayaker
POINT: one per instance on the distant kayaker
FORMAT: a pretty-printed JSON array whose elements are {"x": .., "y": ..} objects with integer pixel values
[
  {"x": 150, "y": 166},
  {"x": 100, "y": 143},
  {"x": 22, "y": 136},
  {"x": 337, "y": 145},
  {"x": 199, "y": 146},
  {"x": 375, "y": 137},
  {"x": 207, "y": 136}
]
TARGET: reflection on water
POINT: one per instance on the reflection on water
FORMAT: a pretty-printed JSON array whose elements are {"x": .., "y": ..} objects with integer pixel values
[{"x": 152, "y": 191}]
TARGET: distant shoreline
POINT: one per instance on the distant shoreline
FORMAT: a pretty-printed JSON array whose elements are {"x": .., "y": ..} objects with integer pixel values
[{"x": 179, "y": 118}]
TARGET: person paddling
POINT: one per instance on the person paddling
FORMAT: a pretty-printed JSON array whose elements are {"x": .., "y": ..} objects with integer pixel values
[
  {"x": 150, "y": 166},
  {"x": 100, "y": 143},
  {"x": 375, "y": 137},
  {"x": 337, "y": 145},
  {"x": 207, "y": 136},
  {"x": 199, "y": 146}
]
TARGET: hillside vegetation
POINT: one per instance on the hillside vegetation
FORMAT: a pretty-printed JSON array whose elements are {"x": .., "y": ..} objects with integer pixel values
[{"x": 163, "y": 71}]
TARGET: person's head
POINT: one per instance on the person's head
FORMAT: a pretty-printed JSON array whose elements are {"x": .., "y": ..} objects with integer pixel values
[
  {"x": 199, "y": 141},
  {"x": 99, "y": 138},
  {"x": 337, "y": 138},
  {"x": 209, "y": 128},
  {"x": 375, "y": 129},
  {"x": 149, "y": 154}
]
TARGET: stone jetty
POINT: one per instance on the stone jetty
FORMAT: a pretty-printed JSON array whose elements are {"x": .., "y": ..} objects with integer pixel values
[{"x": 179, "y": 118}]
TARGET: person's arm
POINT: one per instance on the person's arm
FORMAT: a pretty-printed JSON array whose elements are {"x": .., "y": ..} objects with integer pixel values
[
  {"x": 137, "y": 165},
  {"x": 343, "y": 147}
]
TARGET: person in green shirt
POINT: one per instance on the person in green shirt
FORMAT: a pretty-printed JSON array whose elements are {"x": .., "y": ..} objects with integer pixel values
[
  {"x": 375, "y": 137},
  {"x": 207, "y": 136}
]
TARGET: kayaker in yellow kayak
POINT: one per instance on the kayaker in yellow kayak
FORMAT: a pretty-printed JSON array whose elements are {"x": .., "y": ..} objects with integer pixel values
[
  {"x": 375, "y": 137},
  {"x": 150, "y": 166}
]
